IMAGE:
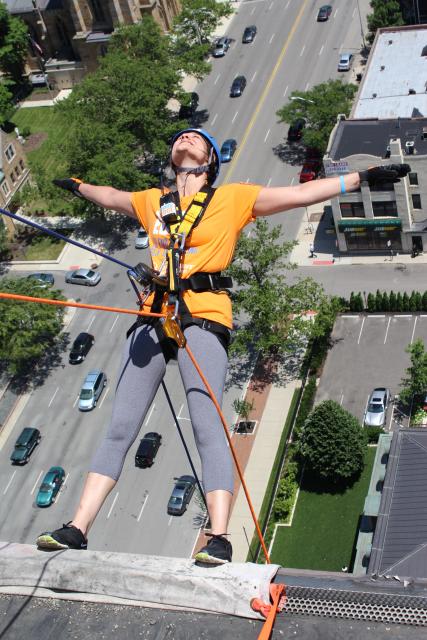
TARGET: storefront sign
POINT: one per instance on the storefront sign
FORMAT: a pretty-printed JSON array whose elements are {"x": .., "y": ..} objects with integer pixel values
[{"x": 335, "y": 168}]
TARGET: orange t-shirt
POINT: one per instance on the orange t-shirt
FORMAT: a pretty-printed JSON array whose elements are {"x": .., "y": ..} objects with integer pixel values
[{"x": 209, "y": 247}]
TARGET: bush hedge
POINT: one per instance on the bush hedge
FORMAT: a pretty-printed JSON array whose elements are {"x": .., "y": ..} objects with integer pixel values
[{"x": 389, "y": 301}]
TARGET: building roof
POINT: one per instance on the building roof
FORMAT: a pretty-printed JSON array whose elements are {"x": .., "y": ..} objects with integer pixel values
[
  {"x": 400, "y": 540},
  {"x": 395, "y": 66},
  {"x": 373, "y": 136},
  {"x": 26, "y": 6}
]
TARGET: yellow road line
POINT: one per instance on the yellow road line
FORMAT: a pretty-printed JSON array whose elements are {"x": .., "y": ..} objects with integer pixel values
[{"x": 264, "y": 93}]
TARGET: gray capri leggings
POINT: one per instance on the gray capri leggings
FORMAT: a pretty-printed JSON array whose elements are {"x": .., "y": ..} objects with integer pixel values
[{"x": 143, "y": 368}]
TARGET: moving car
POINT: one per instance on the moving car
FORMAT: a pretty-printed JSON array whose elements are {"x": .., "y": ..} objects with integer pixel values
[
  {"x": 141, "y": 240},
  {"x": 310, "y": 171},
  {"x": 49, "y": 488},
  {"x": 181, "y": 495},
  {"x": 377, "y": 407},
  {"x": 345, "y": 61},
  {"x": 81, "y": 347},
  {"x": 324, "y": 13},
  {"x": 228, "y": 149},
  {"x": 295, "y": 130},
  {"x": 238, "y": 86},
  {"x": 44, "y": 280},
  {"x": 91, "y": 390},
  {"x": 25, "y": 445},
  {"x": 147, "y": 450},
  {"x": 222, "y": 45},
  {"x": 87, "y": 277},
  {"x": 249, "y": 34}
]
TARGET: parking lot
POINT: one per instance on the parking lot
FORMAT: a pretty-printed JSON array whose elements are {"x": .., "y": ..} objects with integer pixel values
[{"x": 369, "y": 351}]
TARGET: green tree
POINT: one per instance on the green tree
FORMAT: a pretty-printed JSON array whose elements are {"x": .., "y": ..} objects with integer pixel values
[
  {"x": 385, "y": 302},
  {"x": 392, "y": 301},
  {"x": 418, "y": 301},
  {"x": 399, "y": 302},
  {"x": 415, "y": 382},
  {"x": 424, "y": 307},
  {"x": 27, "y": 329},
  {"x": 372, "y": 305},
  {"x": 6, "y": 106},
  {"x": 274, "y": 311},
  {"x": 359, "y": 303},
  {"x": 13, "y": 44},
  {"x": 3, "y": 238},
  {"x": 405, "y": 302},
  {"x": 352, "y": 301},
  {"x": 413, "y": 302},
  {"x": 333, "y": 443},
  {"x": 319, "y": 108},
  {"x": 386, "y": 13},
  {"x": 378, "y": 301}
]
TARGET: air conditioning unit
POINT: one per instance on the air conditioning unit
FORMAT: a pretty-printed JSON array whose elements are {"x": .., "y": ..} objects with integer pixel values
[{"x": 410, "y": 147}]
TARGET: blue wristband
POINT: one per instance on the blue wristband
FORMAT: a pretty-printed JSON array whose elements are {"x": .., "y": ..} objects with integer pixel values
[{"x": 342, "y": 184}]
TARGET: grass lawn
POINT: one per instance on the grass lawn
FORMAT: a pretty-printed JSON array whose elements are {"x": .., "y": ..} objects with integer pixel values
[
  {"x": 45, "y": 248},
  {"x": 324, "y": 527},
  {"x": 50, "y": 123}
]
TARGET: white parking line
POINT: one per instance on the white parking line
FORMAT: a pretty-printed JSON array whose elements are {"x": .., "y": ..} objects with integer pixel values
[
  {"x": 112, "y": 506},
  {"x": 287, "y": 5},
  {"x": 61, "y": 489},
  {"x": 75, "y": 401},
  {"x": 10, "y": 482},
  {"x": 271, "y": 6},
  {"x": 266, "y": 135},
  {"x": 271, "y": 39},
  {"x": 90, "y": 323},
  {"x": 114, "y": 323},
  {"x": 170, "y": 521},
  {"x": 253, "y": 10},
  {"x": 335, "y": 14},
  {"x": 354, "y": 13},
  {"x": 286, "y": 91},
  {"x": 307, "y": 86},
  {"x": 361, "y": 329},
  {"x": 235, "y": 116},
  {"x": 413, "y": 330},
  {"x": 53, "y": 397},
  {"x": 364, "y": 413},
  {"x": 150, "y": 414},
  {"x": 253, "y": 77},
  {"x": 104, "y": 396},
  {"x": 342, "y": 399},
  {"x": 321, "y": 50},
  {"x": 292, "y": 181},
  {"x": 391, "y": 418},
  {"x": 269, "y": 181},
  {"x": 403, "y": 316},
  {"x": 386, "y": 333},
  {"x": 217, "y": 78},
  {"x": 36, "y": 482},
  {"x": 142, "y": 508},
  {"x": 302, "y": 51},
  {"x": 213, "y": 121}
]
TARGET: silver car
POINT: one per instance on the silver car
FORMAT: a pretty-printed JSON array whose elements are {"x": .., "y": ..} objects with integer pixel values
[
  {"x": 141, "y": 240},
  {"x": 222, "y": 45},
  {"x": 377, "y": 407},
  {"x": 88, "y": 277},
  {"x": 345, "y": 62},
  {"x": 91, "y": 390}
]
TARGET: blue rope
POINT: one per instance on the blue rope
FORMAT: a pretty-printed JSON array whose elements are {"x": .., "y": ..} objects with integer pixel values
[{"x": 55, "y": 234}]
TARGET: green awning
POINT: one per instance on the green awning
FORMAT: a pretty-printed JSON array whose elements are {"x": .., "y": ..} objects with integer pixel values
[{"x": 378, "y": 224}]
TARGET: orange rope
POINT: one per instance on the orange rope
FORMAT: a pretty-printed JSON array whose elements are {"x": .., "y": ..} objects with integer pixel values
[{"x": 227, "y": 434}]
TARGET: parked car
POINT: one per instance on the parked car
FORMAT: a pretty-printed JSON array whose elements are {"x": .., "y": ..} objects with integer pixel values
[
  {"x": 222, "y": 45},
  {"x": 81, "y": 347},
  {"x": 147, "y": 450},
  {"x": 324, "y": 13},
  {"x": 238, "y": 86},
  {"x": 181, "y": 495},
  {"x": 87, "y": 277},
  {"x": 310, "y": 171},
  {"x": 91, "y": 390},
  {"x": 44, "y": 280},
  {"x": 295, "y": 130},
  {"x": 141, "y": 240},
  {"x": 228, "y": 149},
  {"x": 49, "y": 488},
  {"x": 345, "y": 62},
  {"x": 249, "y": 34},
  {"x": 377, "y": 407},
  {"x": 25, "y": 445},
  {"x": 187, "y": 110}
]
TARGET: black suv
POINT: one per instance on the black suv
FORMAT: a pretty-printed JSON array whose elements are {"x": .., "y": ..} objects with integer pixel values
[
  {"x": 25, "y": 445},
  {"x": 147, "y": 450},
  {"x": 238, "y": 86},
  {"x": 80, "y": 348},
  {"x": 296, "y": 129},
  {"x": 249, "y": 34}
]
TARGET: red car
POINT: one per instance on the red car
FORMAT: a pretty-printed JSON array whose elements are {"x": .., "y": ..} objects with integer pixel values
[{"x": 309, "y": 171}]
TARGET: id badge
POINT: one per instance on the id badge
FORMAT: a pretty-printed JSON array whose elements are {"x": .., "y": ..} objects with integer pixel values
[{"x": 168, "y": 210}]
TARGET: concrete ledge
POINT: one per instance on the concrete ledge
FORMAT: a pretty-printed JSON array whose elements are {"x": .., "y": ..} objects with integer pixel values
[{"x": 151, "y": 580}]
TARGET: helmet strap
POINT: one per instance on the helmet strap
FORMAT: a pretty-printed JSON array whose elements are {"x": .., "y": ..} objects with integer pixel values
[{"x": 194, "y": 170}]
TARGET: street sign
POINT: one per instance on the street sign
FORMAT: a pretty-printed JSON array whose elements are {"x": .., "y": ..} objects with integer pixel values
[{"x": 335, "y": 168}]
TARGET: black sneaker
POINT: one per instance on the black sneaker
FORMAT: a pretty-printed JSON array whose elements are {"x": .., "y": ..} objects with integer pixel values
[
  {"x": 69, "y": 537},
  {"x": 217, "y": 551}
]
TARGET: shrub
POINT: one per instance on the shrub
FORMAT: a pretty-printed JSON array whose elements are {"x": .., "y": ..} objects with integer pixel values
[
  {"x": 385, "y": 303},
  {"x": 373, "y": 433},
  {"x": 306, "y": 404},
  {"x": 412, "y": 302},
  {"x": 405, "y": 302},
  {"x": 359, "y": 303},
  {"x": 372, "y": 307},
  {"x": 399, "y": 302},
  {"x": 378, "y": 301},
  {"x": 424, "y": 306},
  {"x": 26, "y": 132},
  {"x": 392, "y": 301}
]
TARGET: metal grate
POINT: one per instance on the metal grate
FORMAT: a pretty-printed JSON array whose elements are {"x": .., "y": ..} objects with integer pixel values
[{"x": 380, "y": 607}]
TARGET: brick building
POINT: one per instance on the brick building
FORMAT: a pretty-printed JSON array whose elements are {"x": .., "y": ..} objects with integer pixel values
[{"x": 13, "y": 169}]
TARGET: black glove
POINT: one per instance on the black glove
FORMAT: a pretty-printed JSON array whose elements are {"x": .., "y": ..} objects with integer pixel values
[
  {"x": 69, "y": 184},
  {"x": 389, "y": 173}
]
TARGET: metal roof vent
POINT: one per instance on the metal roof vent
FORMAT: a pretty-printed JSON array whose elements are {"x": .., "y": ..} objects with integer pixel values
[
  {"x": 374, "y": 95},
  {"x": 424, "y": 51},
  {"x": 382, "y": 67},
  {"x": 412, "y": 92},
  {"x": 390, "y": 42},
  {"x": 410, "y": 147}
]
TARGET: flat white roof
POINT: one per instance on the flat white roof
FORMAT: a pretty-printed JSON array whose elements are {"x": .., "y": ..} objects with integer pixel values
[{"x": 395, "y": 66}]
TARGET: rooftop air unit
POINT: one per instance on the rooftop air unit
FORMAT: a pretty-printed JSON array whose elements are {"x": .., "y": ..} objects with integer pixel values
[{"x": 410, "y": 147}]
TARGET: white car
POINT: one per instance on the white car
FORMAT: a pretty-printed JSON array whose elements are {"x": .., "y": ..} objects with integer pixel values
[
  {"x": 377, "y": 407},
  {"x": 345, "y": 61},
  {"x": 87, "y": 277},
  {"x": 141, "y": 240}
]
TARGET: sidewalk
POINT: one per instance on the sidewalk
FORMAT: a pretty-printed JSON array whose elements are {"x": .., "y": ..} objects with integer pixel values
[{"x": 317, "y": 227}]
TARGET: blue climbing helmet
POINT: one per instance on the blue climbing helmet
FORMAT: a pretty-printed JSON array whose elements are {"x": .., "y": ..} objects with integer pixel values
[{"x": 214, "y": 164}]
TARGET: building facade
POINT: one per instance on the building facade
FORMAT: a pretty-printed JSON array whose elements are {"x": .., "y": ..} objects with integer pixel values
[
  {"x": 67, "y": 37},
  {"x": 14, "y": 172},
  {"x": 388, "y": 124}
]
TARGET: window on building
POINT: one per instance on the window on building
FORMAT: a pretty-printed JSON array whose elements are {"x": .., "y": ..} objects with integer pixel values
[
  {"x": 416, "y": 201},
  {"x": 10, "y": 152},
  {"x": 384, "y": 209},
  {"x": 22, "y": 165},
  {"x": 413, "y": 179},
  {"x": 5, "y": 188},
  {"x": 383, "y": 186},
  {"x": 352, "y": 210}
]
